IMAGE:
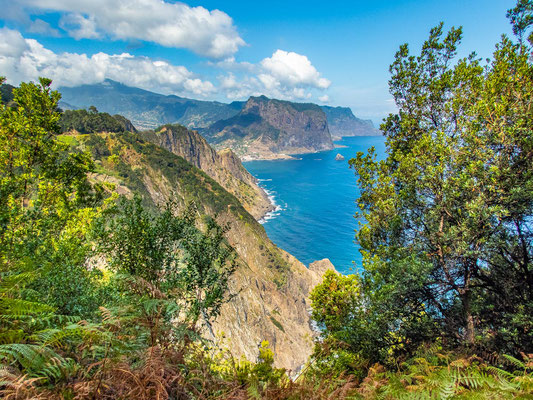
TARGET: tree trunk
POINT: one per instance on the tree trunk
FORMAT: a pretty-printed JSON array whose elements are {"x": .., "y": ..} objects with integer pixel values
[{"x": 469, "y": 319}]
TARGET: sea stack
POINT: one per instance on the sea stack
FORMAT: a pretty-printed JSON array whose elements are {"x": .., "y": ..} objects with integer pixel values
[{"x": 339, "y": 157}]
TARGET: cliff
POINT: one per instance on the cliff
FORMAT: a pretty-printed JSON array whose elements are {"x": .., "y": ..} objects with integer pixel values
[
  {"x": 270, "y": 286},
  {"x": 342, "y": 122},
  {"x": 224, "y": 166},
  {"x": 268, "y": 128}
]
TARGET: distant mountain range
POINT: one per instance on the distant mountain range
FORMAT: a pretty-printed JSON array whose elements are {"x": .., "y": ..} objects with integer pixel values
[
  {"x": 258, "y": 128},
  {"x": 342, "y": 122},
  {"x": 147, "y": 110}
]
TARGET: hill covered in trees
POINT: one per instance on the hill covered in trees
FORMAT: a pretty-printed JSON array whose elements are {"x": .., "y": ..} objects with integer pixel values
[
  {"x": 92, "y": 121},
  {"x": 146, "y": 109}
]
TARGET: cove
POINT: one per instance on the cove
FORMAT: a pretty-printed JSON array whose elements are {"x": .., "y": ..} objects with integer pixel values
[{"x": 316, "y": 198}]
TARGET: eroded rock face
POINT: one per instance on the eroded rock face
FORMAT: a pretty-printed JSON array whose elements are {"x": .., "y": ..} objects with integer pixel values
[
  {"x": 224, "y": 167},
  {"x": 342, "y": 122},
  {"x": 270, "y": 286},
  {"x": 319, "y": 268},
  {"x": 266, "y": 128}
]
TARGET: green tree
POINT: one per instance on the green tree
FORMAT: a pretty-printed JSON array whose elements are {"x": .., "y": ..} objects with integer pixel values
[
  {"x": 448, "y": 214},
  {"x": 47, "y": 205},
  {"x": 177, "y": 272},
  {"x": 47, "y": 202}
]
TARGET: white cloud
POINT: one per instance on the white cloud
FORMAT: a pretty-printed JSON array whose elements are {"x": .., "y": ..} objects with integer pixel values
[
  {"x": 13, "y": 10},
  {"x": 26, "y": 59},
  {"x": 209, "y": 33},
  {"x": 293, "y": 69},
  {"x": 42, "y": 27},
  {"x": 284, "y": 75},
  {"x": 12, "y": 44},
  {"x": 79, "y": 27}
]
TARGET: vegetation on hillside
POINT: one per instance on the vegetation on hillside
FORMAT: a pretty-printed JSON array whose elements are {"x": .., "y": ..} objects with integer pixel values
[{"x": 92, "y": 121}]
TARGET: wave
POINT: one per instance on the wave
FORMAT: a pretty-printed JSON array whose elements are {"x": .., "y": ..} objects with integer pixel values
[{"x": 272, "y": 198}]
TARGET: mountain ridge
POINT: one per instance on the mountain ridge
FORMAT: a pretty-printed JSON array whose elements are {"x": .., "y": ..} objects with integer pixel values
[
  {"x": 148, "y": 110},
  {"x": 223, "y": 166}
]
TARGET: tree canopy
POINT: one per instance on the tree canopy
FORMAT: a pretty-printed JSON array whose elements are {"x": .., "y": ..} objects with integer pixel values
[
  {"x": 446, "y": 219},
  {"x": 92, "y": 121}
]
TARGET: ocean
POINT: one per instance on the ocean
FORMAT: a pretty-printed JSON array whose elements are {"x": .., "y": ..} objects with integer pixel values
[{"x": 315, "y": 198}]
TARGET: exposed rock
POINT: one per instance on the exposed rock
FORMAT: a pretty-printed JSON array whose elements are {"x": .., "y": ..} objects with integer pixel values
[
  {"x": 266, "y": 128},
  {"x": 319, "y": 268},
  {"x": 224, "y": 166},
  {"x": 342, "y": 122},
  {"x": 271, "y": 287},
  {"x": 339, "y": 157}
]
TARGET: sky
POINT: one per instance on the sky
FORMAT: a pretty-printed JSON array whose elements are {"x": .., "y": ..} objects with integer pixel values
[{"x": 336, "y": 53}]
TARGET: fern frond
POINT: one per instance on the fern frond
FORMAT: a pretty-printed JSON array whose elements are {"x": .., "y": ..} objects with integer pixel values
[
  {"x": 58, "y": 336},
  {"x": 515, "y": 361},
  {"x": 11, "y": 283},
  {"x": 12, "y": 336},
  {"x": 19, "y": 307}
]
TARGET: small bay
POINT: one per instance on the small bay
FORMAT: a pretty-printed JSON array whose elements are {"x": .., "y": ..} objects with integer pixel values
[{"x": 316, "y": 202}]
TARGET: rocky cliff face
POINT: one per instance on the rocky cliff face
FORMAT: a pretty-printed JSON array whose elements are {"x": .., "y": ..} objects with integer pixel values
[
  {"x": 268, "y": 128},
  {"x": 342, "y": 122},
  {"x": 224, "y": 166},
  {"x": 270, "y": 286}
]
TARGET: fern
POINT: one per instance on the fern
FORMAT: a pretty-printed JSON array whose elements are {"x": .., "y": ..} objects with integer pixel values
[
  {"x": 19, "y": 307},
  {"x": 514, "y": 361}
]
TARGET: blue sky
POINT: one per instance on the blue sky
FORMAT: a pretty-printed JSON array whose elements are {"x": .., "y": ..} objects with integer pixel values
[{"x": 334, "y": 53}]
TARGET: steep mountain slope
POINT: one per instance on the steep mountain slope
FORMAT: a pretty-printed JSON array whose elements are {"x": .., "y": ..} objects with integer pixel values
[
  {"x": 342, "y": 122},
  {"x": 145, "y": 109},
  {"x": 269, "y": 128},
  {"x": 270, "y": 286},
  {"x": 224, "y": 166}
]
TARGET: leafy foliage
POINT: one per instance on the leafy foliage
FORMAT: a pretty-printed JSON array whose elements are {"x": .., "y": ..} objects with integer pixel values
[
  {"x": 447, "y": 241},
  {"x": 92, "y": 121},
  {"x": 106, "y": 298},
  {"x": 178, "y": 272}
]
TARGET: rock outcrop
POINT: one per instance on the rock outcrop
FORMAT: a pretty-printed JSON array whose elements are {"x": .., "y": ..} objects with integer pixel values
[
  {"x": 342, "y": 122},
  {"x": 339, "y": 157},
  {"x": 319, "y": 268},
  {"x": 267, "y": 128},
  {"x": 224, "y": 166}
]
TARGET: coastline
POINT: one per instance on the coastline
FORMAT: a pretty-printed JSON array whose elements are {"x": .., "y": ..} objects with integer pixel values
[
  {"x": 274, "y": 208},
  {"x": 294, "y": 155}
]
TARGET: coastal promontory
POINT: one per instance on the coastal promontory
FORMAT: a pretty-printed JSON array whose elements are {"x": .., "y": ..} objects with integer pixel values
[{"x": 269, "y": 129}]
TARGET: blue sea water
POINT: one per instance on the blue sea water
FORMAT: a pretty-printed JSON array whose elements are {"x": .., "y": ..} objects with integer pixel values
[{"x": 315, "y": 197}]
